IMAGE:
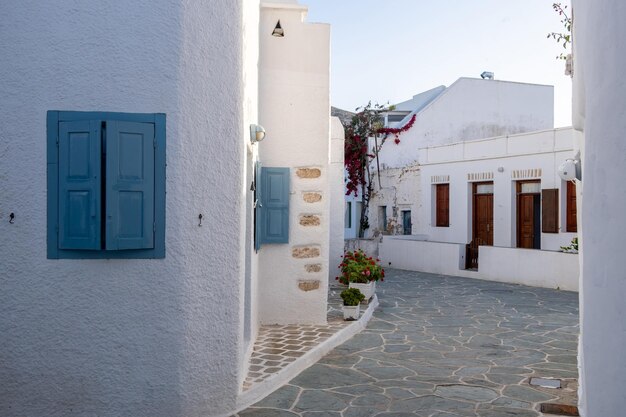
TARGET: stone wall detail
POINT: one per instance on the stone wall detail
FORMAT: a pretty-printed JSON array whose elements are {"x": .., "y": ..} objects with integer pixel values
[
  {"x": 312, "y": 196},
  {"x": 309, "y": 285},
  {"x": 304, "y": 252},
  {"x": 308, "y": 172},
  {"x": 310, "y": 220}
]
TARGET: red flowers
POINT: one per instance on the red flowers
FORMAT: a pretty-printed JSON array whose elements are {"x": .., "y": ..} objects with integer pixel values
[
  {"x": 359, "y": 268},
  {"x": 397, "y": 130}
]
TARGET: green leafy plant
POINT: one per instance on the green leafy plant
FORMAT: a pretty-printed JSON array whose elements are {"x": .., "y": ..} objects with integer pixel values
[
  {"x": 563, "y": 38},
  {"x": 572, "y": 247},
  {"x": 357, "y": 267},
  {"x": 352, "y": 297}
]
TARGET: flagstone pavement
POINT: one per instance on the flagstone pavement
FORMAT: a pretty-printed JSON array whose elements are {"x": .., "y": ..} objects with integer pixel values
[{"x": 441, "y": 346}]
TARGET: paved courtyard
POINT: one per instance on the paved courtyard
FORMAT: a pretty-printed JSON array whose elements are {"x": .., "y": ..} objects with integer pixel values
[{"x": 443, "y": 346}]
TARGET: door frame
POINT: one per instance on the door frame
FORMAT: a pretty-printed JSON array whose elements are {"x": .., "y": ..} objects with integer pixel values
[
  {"x": 536, "y": 216},
  {"x": 474, "y": 212}
]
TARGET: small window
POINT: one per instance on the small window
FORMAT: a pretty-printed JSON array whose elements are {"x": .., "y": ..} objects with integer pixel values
[
  {"x": 348, "y": 215},
  {"x": 395, "y": 117},
  {"x": 272, "y": 205},
  {"x": 442, "y": 205},
  {"x": 382, "y": 218},
  {"x": 484, "y": 188},
  {"x": 531, "y": 187},
  {"x": 106, "y": 185},
  {"x": 406, "y": 222},
  {"x": 572, "y": 224}
]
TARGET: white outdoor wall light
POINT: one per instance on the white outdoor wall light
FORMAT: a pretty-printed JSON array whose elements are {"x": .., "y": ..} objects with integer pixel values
[
  {"x": 257, "y": 133},
  {"x": 571, "y": 169}
]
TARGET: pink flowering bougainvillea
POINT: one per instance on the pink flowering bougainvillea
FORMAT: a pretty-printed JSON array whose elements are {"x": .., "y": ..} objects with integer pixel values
[{"x": 366, "y": 123}]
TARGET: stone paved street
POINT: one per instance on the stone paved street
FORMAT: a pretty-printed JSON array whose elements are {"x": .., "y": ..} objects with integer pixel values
[{"x": 440, "y": 347}]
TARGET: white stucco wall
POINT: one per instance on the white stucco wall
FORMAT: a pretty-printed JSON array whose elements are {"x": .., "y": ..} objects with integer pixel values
[
  {"x": 542, "y": 268},
  {"x": 599, "y": 91},
  {"x": 351, "y": 228},
  {"x": 125, "y": 337},
  {"x": 249, "y": 317},
  {"x": 337, "y": 203},
  {"x": 294, "y": 74},
  {"x": 516, "y": 266},
  {"x": 412, "y": 254},
  {"x": 541, "y": 152},
  {"x": 473, "y": 109},
  {"x": 469, "y": 109},
  {"x": 399, "y": 190}
]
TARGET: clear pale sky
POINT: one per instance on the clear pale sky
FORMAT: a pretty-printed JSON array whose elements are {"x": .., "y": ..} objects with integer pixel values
[{"x": 390, "y": 50}]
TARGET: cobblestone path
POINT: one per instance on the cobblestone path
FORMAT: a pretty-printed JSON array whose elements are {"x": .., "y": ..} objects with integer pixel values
[{"x": 442, "y": 346}]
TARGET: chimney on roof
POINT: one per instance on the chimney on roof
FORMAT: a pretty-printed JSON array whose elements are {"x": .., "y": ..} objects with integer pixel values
[{"x": 487, "y": 75}]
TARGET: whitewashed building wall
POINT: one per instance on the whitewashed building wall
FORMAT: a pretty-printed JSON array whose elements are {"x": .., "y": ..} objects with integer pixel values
[
  {"x": 151, "y": 337},
  {"x": 598, "y": 97},
  {"x": 161, "y": 337},
  {"x": 469, "y": 109},
  {"x": 337, "y": 194},
  {"x": 352, "y": 214},
  {"x": 472, "y": 109},
  {"x": 503, "y": 160},
  {"x": 294, "y": 92}
]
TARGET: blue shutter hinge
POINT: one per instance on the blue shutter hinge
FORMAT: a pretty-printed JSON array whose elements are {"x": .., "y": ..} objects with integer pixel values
[
  {"x": 154, "y": 142},
  {"x": 154, "y": 227}
]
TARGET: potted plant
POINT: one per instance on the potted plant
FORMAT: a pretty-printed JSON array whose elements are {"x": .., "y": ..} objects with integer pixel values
[
  {"x": 352, "y": 298},
  {"x": 361, "y": 271}
]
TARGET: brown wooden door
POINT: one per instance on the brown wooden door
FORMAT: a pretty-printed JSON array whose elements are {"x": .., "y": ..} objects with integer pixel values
[
  {"x": 483, "y": 218},
  {"x": 443, "y": 205},
  {"x": 529, "y": 214},
  {"x": 525, "y": 221}
]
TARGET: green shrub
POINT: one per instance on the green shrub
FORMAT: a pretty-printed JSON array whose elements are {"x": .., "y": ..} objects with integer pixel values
[{"x": 352, "y": 297}]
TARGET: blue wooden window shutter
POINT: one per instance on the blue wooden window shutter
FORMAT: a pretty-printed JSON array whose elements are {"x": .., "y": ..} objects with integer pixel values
[
  {"x": 274, "y": 202},
  {"x": 79, "y": 185},
  {"x": 258, "y": 206},
  {"x": 129, "y": 185},
  {"x": 106, "y": 185}
]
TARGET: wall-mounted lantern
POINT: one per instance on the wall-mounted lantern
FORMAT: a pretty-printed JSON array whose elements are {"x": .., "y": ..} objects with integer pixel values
[{"x": 257, "y": 133}]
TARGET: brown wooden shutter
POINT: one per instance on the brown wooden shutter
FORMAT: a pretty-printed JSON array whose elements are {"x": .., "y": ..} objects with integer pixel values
[
  {"x": 571, "y": 223},
  {"x": 443, "y": 205},
  {"x": 550, "y": 210}
]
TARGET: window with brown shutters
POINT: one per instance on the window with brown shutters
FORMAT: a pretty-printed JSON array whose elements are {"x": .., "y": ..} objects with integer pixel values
[
  {"x": 570, "y": 214},
  {"x": 443, "y": 205},
  {"x": 550, "y": 210}
]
